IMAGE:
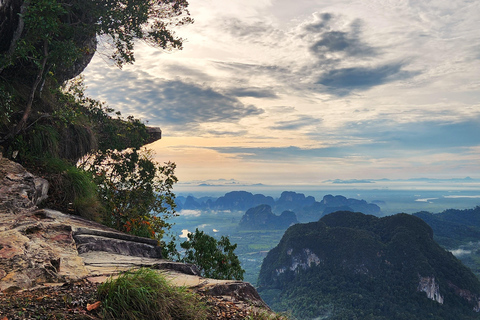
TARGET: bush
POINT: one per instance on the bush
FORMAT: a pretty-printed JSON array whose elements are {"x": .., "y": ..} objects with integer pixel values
[
  {"x": 216, "y": 259},
  {"x": 71, "y": 189},
  {"x": 145, "y": 294}
]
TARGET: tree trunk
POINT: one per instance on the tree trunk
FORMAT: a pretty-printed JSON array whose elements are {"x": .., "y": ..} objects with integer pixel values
[
  {"x": 17, "y": 34},
  {"x": 28, "y": 108}
]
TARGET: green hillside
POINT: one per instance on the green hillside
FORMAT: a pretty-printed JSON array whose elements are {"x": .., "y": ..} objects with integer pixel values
[{"x": 355, "y": 266}]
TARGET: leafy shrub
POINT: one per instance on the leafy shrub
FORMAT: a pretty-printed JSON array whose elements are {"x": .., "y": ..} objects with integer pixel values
[
  {"x": 135, "y": 191},
  {"x": 72, "y": 191},
  {"x": 216, "y": 259},
  {"x": 145, "y": 294}
]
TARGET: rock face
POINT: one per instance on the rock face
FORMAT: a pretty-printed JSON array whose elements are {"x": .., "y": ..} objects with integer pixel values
[
  {"x": 154, "y": 134},
  {"x": 19, "y": 189},
  {"x": 45, "y": 246},
  {"x": 432, "y": 289},
  {"x": 348, "y": 264}
]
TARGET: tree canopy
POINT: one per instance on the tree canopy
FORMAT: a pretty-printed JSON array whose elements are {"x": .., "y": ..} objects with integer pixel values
[
  {"x": 215, "y": 258},
  {"x": 49, "y": 41},
  {"x": 48, "y": 125}
]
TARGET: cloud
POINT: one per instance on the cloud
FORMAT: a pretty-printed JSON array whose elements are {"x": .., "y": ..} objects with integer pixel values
[
  {"x": 168, "y": 102},
  {"x": 343, "y": 81},
  {"x": 350, "y": 181},
  {"x": 384, "y": 139},
  {"x": 249, "y": 31},
  {"x": 281, "y": 153},
  {"x": 421, "y": 135},
  {"x": 297, "y": 123},
  {"x": 252, "y": 92},
  {"x": 186, "y": 72},
  {"x": 327, "y": 40},
  {"x": 460, "y": 252}
]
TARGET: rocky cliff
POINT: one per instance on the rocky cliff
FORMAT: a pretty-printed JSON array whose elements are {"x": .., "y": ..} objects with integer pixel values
[{"x": 39, "y": 247}]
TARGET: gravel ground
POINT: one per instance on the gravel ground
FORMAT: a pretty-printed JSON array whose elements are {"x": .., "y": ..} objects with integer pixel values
[
  {"x": 72, "y": 300},
  {"x": 68, "y": 301}
]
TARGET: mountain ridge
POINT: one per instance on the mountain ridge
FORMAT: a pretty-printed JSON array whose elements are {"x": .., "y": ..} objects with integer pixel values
[{"x": 305, "y": 207}]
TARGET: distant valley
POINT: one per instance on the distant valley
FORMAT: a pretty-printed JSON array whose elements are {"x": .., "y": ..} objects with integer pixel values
[{"x": 257, "y": 223}]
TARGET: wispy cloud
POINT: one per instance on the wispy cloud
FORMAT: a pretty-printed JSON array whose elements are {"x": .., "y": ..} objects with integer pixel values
[
  {"x": 343, "y": 81},
  {"x": 296, "y": 123},
  {"x": 181, "y": 105}
]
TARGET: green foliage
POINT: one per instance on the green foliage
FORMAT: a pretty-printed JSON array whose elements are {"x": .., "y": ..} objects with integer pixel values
[
  {"x": 42, "y": 120},
  {"x": 6, "y": 104},
  {"x": 115, "y": 180},
  {"x": 136, "y": 192},
  {"x": 150, "y": 21},
  {"x": 454, "y": 227},
  {"x": 457, "y": 229},
  {"x": 216, "y": 259},
  {"x": 72, "y": 190},
  {"x": 145, "y": 294},
  {"x": 364, "y": 267},
  {"x": 267, "y": 316},
  {"x": 58, "y": 39}
]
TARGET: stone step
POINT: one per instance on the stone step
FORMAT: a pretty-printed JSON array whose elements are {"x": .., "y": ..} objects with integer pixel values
[{"x": 88, "y": 242}]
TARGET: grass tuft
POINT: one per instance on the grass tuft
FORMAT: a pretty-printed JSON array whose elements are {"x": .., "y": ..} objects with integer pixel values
[{"x": 145, "y": 294}]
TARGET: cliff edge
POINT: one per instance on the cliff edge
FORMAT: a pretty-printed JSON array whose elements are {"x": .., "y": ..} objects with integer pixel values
[{"x": 41, "y": 247}]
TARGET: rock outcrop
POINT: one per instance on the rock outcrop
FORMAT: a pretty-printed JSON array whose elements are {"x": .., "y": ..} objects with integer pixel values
[
  {"x": 41, "y": 246},
  {"x": 431, "y": 288}
]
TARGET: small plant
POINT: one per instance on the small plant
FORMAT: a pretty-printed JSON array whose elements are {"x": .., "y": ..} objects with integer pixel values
[
  {"x": 268, "y": 316},
  {"x": 145, "y": 294}
]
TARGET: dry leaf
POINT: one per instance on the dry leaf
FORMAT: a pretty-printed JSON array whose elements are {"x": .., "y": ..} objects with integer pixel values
[{"x": 93, "y": 306}]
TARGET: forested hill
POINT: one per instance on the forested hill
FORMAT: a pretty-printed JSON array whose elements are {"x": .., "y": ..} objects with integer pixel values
[
  {"x": 453, "y": 227},
  {"x": 350, "y": 265},
  {"x": 457, "y": 231}
]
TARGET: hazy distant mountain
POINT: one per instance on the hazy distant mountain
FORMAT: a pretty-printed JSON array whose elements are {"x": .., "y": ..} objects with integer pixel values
[
  {"x": 427, "y": 180},
  {"x": 262, "y": 218},
  {"x": 294, "y": 201},
  {"x": 241, "y": 201},
  {"x": 332, "y": 203},
  {"x": 355, "y": 266},
  {"x": 305, "y": 207}
]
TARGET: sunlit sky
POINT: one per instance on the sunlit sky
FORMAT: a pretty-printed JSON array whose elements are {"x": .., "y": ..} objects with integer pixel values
[{"x": 284, "y": 92}]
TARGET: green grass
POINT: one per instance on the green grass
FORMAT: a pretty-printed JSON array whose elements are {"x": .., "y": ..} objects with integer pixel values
[
  {"x": 268, "y": 316},
  {"x": 145, "y": 294}
]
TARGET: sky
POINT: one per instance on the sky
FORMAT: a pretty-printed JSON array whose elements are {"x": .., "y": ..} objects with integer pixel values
[{"x": 308, "y": 92}]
